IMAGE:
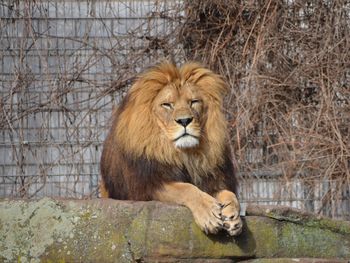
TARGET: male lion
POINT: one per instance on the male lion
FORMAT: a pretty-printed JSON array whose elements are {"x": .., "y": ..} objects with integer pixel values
[{"x": 169, "y": 142}]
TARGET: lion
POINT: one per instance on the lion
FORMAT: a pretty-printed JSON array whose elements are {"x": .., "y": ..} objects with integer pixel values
[{"x": 169, "y": 142}]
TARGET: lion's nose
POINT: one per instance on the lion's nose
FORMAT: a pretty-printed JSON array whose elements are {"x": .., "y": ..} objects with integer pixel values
[{"x": 184, "y": 122}]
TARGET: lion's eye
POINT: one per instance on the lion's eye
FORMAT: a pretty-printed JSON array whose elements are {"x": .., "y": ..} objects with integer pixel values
[
  {"x": 193, "y": 102},
  {"x": 167, "y": 105}
]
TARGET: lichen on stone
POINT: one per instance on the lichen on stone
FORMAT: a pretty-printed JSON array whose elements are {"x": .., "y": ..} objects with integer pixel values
[{"x": 28, "y": 228}]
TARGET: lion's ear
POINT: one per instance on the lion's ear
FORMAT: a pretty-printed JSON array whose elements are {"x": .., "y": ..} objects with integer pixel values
[{"x": 209, "y": 82}]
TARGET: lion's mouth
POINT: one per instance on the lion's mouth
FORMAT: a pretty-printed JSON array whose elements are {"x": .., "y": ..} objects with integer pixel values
[
  {"x": 184, "y": 135},
  {"x": 186, "y": 140}
]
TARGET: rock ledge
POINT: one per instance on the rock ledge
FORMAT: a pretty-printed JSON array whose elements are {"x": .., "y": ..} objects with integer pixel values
[{"x": 104, "y": 230}]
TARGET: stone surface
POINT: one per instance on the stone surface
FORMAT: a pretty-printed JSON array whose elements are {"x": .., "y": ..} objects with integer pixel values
[{"x": 104, "y": 230}]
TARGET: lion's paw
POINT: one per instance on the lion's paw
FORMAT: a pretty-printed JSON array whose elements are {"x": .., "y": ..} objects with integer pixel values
[
  {"x": 207, "y": 214},
  {"x": 232, "y": 222}
]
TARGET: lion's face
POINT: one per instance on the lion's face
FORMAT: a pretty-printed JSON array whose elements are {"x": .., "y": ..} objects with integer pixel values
[
  {"x": 174, "y": 113},
  {"x": 179, "y": 111}
]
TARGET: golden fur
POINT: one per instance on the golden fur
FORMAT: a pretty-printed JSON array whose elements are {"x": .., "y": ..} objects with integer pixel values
[{"x": 169, "y": 138}]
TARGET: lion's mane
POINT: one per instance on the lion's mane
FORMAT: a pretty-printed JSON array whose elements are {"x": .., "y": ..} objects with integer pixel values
[{"x": 137, "y": 159}]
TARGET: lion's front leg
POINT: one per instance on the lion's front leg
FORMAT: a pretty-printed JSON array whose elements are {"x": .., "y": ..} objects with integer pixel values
[
  {"x": 206, "y": 209},
  {"x": 230, "y": 212}
]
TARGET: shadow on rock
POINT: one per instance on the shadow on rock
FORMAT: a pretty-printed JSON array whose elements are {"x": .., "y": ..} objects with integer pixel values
[{"x": 245, "y": 241}]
